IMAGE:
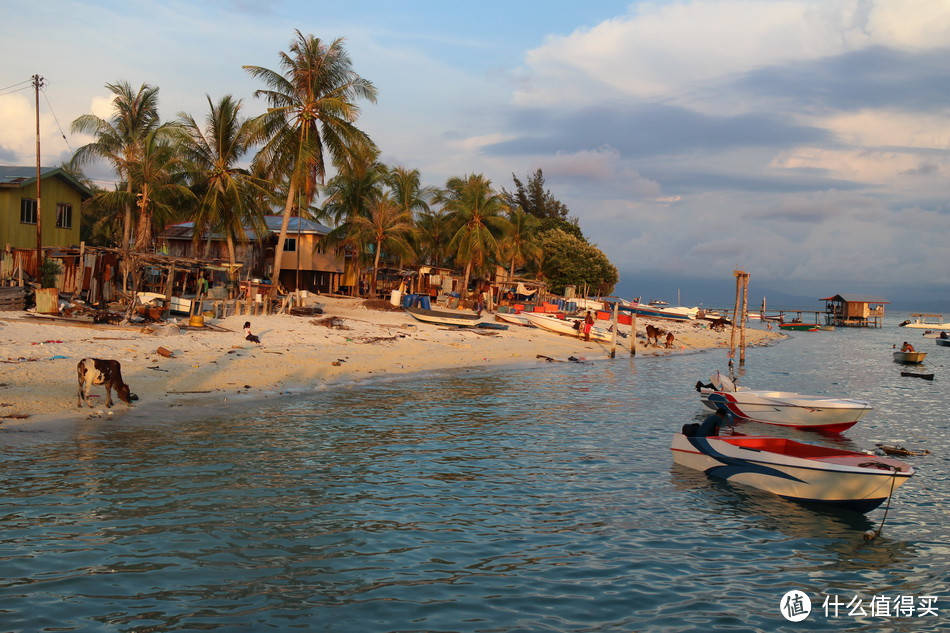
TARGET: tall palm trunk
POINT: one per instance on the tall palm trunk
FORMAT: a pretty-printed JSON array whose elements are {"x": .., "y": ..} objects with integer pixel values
[
  {"x": 282, "y": 236},
  {"x": 379, "y": 246}
]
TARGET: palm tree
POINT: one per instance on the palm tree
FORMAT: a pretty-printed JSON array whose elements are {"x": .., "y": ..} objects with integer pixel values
[
  {"x": 476, "y": 209},
  {"x": 360, "y": 182},
  {"x": 519, "y": 243},
  {"x": 386, "y": 229},
  {"x": 433, "y": 234},
  {"x": 312, "y": 110},
  {"x": 120, "y": 139},
  {"x": 407, "y": 189},
  {"x": 229, "y": 197}
]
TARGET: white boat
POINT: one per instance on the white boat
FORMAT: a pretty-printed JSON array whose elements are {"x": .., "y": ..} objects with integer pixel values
[
  {"x": 566, "y": 326},
  {"x": 910, "y": 358},
  {"x": 926, "y": 322},
  {"x": 784, "y": 408},
  {"x": 795, "y": 470},
  {"x": 439, "y": 317},
  {"x": 513, "y": 318}
]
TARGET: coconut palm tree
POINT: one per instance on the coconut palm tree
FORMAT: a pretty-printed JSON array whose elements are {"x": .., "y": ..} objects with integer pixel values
[
  {"x": 359, "y": 182},
  {"x": 386, "y": 229},
  {"x": 312, "y": 110},
  {"x": 119, "y": 139},
  {"x": 229, "y": 197},
  {"x": 519, "y": 244},
  {"x": 156, "y": 186},
  {"x": 432, "y": 237},
  {"x": 477, "y": 212}
]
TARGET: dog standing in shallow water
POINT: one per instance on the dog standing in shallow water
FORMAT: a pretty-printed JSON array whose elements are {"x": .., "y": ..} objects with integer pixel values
[{"x": 250, "y": 337}]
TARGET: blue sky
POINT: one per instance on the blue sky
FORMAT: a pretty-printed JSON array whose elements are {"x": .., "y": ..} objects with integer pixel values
[{"x": 804, "y": 141}]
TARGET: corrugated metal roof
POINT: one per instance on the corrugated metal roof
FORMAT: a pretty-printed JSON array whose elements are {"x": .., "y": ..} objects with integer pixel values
[
  {"x": 184, "y": 230},
  {"x": 16, "y": 176}
]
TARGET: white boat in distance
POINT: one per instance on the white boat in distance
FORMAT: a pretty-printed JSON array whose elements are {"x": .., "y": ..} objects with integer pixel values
[
  {"x": 784, "y": 408},
  {"x": 795, "y": 470},
  {"x": 926, "y": 322},
  {"x": 438, "y": 317},
  {"x": 566, "y": 327}
]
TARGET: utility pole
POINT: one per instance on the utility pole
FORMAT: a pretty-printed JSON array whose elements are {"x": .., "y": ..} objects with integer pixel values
[{"x": 37, "y": 84}]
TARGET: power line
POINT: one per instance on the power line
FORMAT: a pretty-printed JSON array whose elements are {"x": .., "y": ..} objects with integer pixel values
[
  {"x": 61, "y": 133},
  {"x": 28, "y": 81}
]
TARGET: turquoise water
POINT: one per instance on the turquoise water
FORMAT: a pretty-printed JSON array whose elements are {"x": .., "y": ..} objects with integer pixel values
[{"x": 518, "y": 500}]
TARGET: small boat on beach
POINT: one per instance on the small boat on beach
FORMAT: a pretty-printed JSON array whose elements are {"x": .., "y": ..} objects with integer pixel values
[
  {"x": 795, "y": 470},
  {"x": 926, "y": 322},
  {"x": 439, "y": 317},
  {"x": 513, "y": 318},
  {"x": 783, "y": 408},
  {"x": 910, "y": 358},
  {"x": 566, "y": 327}
]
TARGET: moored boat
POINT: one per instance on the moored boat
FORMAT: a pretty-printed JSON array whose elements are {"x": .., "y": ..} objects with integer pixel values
[
  {"x": 943, "y": 342},
  {"x": 439, "y": 317},
  {"x": 910, "y": 358},
  {"x": 784, "y": 408},
  {"x": 800, "y": 327},
  {"x": 795, "y": 470},
  {"x": 926, "y": 322}
]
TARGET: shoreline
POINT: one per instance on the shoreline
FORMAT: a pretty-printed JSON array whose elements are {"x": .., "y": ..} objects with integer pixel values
[{"x": 348, "y": 344}]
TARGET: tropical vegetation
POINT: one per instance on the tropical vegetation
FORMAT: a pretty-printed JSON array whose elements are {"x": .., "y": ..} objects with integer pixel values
[{"x": 306, "y": 156}]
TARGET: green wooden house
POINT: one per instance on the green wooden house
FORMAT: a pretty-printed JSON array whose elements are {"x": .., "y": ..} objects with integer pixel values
[{"x": 62, "y": 198}]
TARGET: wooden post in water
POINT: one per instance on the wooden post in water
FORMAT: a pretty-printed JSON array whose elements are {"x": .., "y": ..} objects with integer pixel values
[
  {"x": 613, "y": 339},
  {"x": 745, "y": 313},
  {"x": 735, "y": 315},
  {"x": 633, "y": 333}
]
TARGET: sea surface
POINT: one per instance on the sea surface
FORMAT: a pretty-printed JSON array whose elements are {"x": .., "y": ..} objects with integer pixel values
[{"x": 539, "y": 499}]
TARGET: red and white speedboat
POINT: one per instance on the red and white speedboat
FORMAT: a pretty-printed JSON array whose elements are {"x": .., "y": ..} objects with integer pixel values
[
  {"x": 795, "y": 470},
  {"x": 784, "y": 408}
]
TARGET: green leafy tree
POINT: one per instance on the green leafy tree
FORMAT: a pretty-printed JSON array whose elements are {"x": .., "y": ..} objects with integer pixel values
[
  {"x": 541, "y": 203},
  {"x": 312, "y": 111},
  {"x": 569, "y": 261},
  {"x": 229, "y": 197}
]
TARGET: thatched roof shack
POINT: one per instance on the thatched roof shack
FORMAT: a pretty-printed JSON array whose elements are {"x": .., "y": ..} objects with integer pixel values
[{"x": 855, "y": 310}]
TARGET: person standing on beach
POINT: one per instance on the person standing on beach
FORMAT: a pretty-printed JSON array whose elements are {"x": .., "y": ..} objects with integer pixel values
[{"x": 588, "y": 324}]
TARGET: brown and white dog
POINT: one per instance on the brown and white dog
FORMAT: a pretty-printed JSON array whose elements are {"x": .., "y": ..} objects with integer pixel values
[{"x": 96, "y": 371}]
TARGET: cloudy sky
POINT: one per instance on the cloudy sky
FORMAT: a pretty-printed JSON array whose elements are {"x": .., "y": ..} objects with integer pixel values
[{"x": 806, "y": 142}]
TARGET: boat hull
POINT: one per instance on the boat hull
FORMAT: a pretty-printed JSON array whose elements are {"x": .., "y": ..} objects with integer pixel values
[
  {"x": 656, "y": 313},
  {"x": 910, "y": 358},
  {"x": 513, "y": 319},
  {"x": 800, "y": 327},
  {"x": 794, "y": 410},
  {"x": 943, "y": 342},
  {"x": 437, "y": 317},
  {"x": 795, "y": 470},
  {"x": 565, "y": 327}
]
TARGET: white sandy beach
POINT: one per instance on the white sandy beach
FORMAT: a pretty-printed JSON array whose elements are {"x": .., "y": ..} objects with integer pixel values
[{"x": 348, "y": 342}]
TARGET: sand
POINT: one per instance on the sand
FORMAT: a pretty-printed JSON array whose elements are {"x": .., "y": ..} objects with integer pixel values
[{"x": 349, "y": 342}]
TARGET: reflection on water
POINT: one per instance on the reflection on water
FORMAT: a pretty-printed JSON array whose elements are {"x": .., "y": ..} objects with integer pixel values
[{"x": 538, "y": 499}]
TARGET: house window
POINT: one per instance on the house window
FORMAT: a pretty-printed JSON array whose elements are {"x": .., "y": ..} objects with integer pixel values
[
  {"x": 27, "y": 211},
  {"x": 319, "y": 247},
  {"x": 64, "y": 216},
  {"x": 290, "y": 244}
]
